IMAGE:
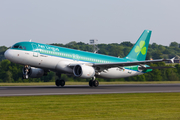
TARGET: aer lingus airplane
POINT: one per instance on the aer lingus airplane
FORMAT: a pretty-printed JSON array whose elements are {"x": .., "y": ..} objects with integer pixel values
[{"x": 38, "y": 59}]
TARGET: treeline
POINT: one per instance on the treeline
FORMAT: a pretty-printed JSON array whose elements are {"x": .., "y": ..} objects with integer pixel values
[
  {"x": 155, "y": 51},
  {"x": 11, "y": 72}
]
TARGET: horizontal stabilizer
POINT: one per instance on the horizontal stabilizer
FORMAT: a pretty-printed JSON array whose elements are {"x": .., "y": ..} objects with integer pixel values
[
  {"x": 160, "y": 67},
  {"x": 172, "y": 60}
]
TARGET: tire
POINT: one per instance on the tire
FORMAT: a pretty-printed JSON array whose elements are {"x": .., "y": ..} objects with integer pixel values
[
  {"x": 95, "y": 83},
  {"x": 62, "y": 83},
  {"x": 57, "y": 82},
  {"x": 25, "y": 76},
  {"x": 91, "y": 83}
]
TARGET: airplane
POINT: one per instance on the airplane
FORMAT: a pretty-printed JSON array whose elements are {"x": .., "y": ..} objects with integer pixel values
[{"x": 38, "y": 59}]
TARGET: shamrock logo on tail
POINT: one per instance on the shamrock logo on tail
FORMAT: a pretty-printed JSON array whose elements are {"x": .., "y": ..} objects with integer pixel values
[{"x": 141, "y": 48}]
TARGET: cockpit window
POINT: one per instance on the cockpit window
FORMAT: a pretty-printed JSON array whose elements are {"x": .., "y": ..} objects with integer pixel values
[
  {"x": 15, "y": 46},
  {"x": 20, "y": 47}
]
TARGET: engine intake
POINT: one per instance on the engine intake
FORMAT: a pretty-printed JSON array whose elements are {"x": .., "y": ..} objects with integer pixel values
[{"x": 83, "y": 71}]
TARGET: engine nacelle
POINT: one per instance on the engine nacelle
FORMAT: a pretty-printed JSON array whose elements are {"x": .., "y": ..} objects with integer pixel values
[
  {"x": 83, "y": 71},
  {"x": 35, "y": 72}
]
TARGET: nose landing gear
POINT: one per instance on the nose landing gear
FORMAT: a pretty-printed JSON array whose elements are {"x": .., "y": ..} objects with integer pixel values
[{"x": 26, "y": 71}]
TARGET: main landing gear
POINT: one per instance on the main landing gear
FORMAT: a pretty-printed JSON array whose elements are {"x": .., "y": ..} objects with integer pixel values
[
  {"x": 59, "y": 82},
  {"x": 93, "y": 82}
]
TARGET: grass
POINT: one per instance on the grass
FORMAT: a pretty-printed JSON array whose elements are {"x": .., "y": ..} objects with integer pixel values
[
  {"x": 136, "y": 106},
  {"x": 86, "y": 83}
]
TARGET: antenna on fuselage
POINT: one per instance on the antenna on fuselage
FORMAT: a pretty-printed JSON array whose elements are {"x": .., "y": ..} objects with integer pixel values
[
  {"x": 30, "y": 40},
  {"x": 94, "y": 43}
]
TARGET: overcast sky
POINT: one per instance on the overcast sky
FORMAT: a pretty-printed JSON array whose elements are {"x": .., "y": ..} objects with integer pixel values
[{"x": 109, "y": 21}]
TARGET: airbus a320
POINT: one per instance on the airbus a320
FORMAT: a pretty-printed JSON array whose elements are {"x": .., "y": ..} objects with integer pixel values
[{"x": 38, "y": 59}]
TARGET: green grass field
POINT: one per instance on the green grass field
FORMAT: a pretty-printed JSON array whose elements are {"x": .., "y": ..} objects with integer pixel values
[
  {"x": 86, "y": 83},
  {"x": 141, "y": 106}
]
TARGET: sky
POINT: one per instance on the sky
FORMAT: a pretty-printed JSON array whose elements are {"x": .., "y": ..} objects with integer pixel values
[{"x": 108, "y": 21}]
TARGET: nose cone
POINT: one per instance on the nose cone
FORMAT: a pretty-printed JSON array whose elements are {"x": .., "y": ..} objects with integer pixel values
[{"x": 8, "y": 54}]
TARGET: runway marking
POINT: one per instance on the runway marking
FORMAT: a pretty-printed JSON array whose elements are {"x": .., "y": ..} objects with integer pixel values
[{"x": 79, "y": 93}]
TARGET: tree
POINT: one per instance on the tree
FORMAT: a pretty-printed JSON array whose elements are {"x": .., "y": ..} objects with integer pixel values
[
  {"x": 127, "y": 44},
  {"x": 126, "y": 51},
  {"x": 154, "y": 46},
  {"x": 3, "y": 48},
  {"x": 8, "y": 77},
  {"x": 156, "y": 55},
  {"x": 148, "y": 56},
  {"x": 117, "y": 51},
  {"x": 174, "y": 44},
  {"x": 5, "y": 65}
]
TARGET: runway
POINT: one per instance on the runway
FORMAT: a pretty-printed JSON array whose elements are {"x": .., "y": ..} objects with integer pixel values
[{"x": 85, "y": 89}]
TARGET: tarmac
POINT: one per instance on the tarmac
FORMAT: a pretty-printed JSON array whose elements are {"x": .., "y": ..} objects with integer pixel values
[{"x": 85, "y": 89}]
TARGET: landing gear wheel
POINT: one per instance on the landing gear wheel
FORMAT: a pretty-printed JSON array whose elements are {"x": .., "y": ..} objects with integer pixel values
[
  {"x": 60, "y": 83},
  {"x": 95, "y": 83},
  {"x": 91, "y": 83},
  {"x": 24, "y": 76},
  {"x": 57, "y": 82}
]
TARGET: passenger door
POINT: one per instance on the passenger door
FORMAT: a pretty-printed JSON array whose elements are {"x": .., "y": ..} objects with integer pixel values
[{"x": 35, "y": 50}]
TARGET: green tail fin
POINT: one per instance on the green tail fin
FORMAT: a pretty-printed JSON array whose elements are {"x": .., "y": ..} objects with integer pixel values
[{"x": 139, "y": 50}]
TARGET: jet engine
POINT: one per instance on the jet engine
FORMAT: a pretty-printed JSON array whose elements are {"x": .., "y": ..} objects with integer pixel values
[
  {"x": 83, "y": 71},
  {"x": 34, "y": 72}
]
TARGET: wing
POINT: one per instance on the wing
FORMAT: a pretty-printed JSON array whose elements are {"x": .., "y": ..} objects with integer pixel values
[
  {"x": 123, "y": 64},
  {"x": 103, "y": 66}
]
